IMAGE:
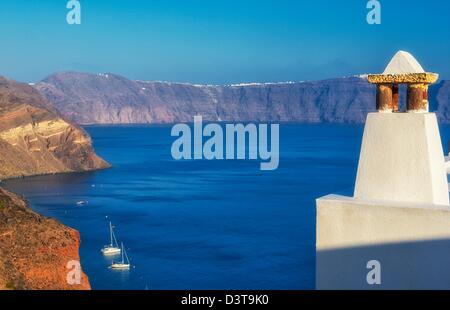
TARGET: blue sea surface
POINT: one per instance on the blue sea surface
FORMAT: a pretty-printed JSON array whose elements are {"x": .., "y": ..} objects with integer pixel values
[{"x": 201, "y": 224}]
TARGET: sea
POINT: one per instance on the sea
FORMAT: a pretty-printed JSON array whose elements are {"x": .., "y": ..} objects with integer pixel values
[{"x": 198, "y": 224}]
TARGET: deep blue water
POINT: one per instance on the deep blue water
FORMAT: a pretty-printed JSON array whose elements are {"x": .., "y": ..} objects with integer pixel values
[{"x": 201, "y": 224}]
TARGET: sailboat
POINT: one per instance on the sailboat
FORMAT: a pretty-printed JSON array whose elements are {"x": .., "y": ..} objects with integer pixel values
[
  {"x": 122, "y": 264},
  {"x": 113, "y": 247}
]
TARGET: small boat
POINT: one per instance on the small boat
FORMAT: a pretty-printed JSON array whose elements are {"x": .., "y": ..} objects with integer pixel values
[
  {"x": 113, "y": 247},
  {"x": 82, "y": 203},
  {"x": 122, "y": 264}
]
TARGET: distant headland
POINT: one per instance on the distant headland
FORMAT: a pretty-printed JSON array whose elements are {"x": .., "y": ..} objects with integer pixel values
[{"x": 111, "y": 99}]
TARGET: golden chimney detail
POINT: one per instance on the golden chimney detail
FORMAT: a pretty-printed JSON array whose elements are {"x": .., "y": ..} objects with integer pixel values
[{"x": 403, "y": 69}]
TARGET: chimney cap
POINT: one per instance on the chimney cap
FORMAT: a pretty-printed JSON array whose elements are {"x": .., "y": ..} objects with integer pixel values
[
  {"x": 403, "y": 63},
  {"x": 403, "y": 69}
]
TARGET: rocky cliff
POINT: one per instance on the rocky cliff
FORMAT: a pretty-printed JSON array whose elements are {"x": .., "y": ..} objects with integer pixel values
[
  {"x": 34, "y": 139},
  {"x": 108, "y": 98},
  {"x": 35, "y": 251}
]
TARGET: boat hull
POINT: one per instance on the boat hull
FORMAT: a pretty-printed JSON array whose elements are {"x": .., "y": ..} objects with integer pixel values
[
  {"x": 120, "y": 266},
  {"x": 111, "y": 251}
]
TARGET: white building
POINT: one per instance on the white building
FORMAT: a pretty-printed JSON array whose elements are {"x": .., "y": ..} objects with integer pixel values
[{"x": 399, "y": 215}]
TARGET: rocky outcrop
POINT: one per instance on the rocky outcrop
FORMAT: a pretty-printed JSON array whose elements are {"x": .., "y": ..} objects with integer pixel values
[
  {"x": 35, "y": 251},
  {"x": 34, "y": 139},
  {"x": 111, "y": 99}
]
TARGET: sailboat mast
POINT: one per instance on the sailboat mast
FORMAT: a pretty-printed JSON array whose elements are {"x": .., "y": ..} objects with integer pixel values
[
  {"x": 126, "y": 255},
  {"x": 111, "y": 233},
  {"x": 123, "y": 261}
]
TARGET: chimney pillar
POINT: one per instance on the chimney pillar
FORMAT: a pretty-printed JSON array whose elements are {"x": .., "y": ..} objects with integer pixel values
[
  {"x": 417, "y": 97},
  {"x": 395, "y": 97},
  {"x": 384, "y": 98}
]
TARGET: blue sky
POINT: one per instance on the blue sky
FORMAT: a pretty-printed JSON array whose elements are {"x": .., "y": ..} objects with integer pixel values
[{"x": 219, "y": 41}]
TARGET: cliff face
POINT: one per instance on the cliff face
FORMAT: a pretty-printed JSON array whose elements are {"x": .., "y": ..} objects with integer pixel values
[
  {"x": 34, "y": 139},
  {"x": 34, "y": 251},
  {"x": 107, "y": 98}
]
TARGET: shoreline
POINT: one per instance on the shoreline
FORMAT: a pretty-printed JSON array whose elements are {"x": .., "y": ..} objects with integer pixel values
[
  {"x": 18, "y": 177},
  {"x": 26, "y": 203}
]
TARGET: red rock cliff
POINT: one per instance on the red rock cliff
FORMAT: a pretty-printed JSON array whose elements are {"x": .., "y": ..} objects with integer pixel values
[
  {"x": 35, "y": 139},
  {"x": 35, "y": 251}
]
